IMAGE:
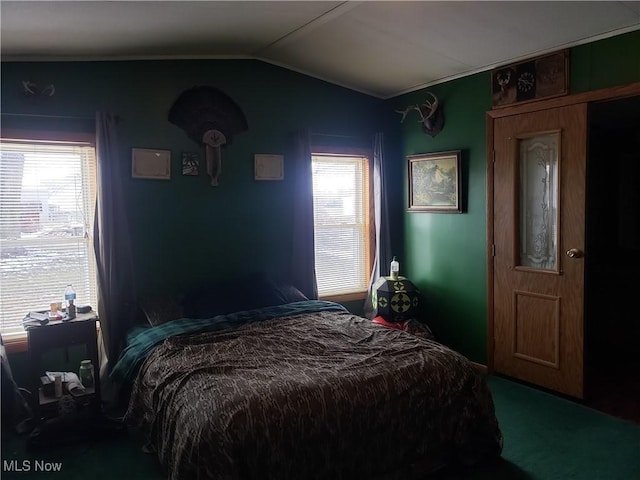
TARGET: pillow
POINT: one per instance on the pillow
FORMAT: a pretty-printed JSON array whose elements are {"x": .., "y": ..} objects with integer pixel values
[
  {"x": 419, "y": 329},
  {"x": 288, "y": 293},
  {"x": 159, "y": 309},
  {"x": 248, "y": 292}
]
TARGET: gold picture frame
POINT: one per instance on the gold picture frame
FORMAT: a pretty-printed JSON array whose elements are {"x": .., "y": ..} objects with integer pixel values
[
  {"x": 268, "y": 167},
  {"x": 539, "y": 78},
  {"x": 151, "y": 164},
  {"x": 435, "y": 182}
]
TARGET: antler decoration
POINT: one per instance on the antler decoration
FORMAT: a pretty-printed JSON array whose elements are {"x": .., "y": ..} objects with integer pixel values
[
  {"x": 32, "y": 89},
  {"x": 431, "y": 115}
]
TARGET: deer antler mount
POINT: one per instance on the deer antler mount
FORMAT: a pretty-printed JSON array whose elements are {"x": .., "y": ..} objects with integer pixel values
[{"x": 431, "y": 115}]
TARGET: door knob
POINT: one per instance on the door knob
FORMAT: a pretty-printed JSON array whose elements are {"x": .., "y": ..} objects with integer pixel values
[{"x": 575, "y": 253}]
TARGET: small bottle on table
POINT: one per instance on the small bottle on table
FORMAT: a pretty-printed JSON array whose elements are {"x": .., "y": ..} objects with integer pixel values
[
  {"x": 395, "y": 269},
  {"x": 70, "y": 298}
]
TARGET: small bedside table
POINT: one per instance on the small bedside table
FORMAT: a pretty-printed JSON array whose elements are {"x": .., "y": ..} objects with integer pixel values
[{"x": 58, "y": 334}]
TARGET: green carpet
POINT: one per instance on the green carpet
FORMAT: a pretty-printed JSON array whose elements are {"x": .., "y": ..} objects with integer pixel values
[
  {"x": 549, "y": 438},
  {"x": 545, "y": 438}
]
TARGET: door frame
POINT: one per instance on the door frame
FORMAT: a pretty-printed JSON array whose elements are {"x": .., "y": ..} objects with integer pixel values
[{"x": 612, "y": 93}]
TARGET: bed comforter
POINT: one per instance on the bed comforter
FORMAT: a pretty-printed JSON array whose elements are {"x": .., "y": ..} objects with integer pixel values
[{"x": 321, "y": 394}]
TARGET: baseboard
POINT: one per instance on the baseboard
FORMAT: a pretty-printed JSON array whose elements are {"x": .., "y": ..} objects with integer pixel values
[{"x": 480, "y": 367}]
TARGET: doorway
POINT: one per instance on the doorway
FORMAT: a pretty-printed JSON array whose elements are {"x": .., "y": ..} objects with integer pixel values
[
  {"x": 609, "y": 226},
  {"x": 612, "y": 283}
]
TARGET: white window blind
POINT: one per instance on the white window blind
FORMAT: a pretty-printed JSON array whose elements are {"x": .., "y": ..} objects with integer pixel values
[
  {"x": 341, "y": 223},
  {"x": 47, "y": 203}
]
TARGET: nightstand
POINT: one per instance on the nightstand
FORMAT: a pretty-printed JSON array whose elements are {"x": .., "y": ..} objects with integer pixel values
[{"x": 58, "y": 334}]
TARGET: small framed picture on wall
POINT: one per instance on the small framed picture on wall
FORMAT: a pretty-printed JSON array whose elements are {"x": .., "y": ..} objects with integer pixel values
[
  {"x": 151, "y": 164},
  {"x": 269, "y": 167},
  {"x": 190, "y": 164}
]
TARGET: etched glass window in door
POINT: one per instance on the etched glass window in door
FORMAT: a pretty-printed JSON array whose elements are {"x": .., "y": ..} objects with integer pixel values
[{"x": 539, "y": 201}]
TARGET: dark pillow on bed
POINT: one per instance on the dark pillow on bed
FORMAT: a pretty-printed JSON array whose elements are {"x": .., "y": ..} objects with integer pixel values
[
  {"x": 288, "y": 293},
  {"x": 233, "y": 295},
  {"x": 159, "y": 309}
]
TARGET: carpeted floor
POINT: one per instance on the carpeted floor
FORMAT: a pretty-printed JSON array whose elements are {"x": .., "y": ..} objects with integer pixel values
[
  {"x": 549, "y": 438},
  {"x": 545, "y": 438}
]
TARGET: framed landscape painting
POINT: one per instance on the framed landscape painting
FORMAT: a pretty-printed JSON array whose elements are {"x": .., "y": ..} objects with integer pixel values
[{"x": 434, "y": 182}]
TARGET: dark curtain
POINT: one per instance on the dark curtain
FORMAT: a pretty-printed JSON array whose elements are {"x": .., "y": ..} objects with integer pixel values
[
  {"x": 382, "y": 257},
  {"x": 303, "y": 264},
  {"x": 112, "y": 246}
]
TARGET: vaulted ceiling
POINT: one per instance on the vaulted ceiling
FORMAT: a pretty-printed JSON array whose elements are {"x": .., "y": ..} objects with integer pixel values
[{"x": 382, "y": 48}]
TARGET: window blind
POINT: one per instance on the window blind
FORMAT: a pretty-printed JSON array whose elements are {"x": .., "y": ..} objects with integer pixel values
[
  {"x": 47, "y": 203},
  {"x": 341, "y": 223}
]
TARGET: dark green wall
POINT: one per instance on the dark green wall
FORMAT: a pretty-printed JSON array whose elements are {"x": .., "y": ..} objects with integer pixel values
[
  {"x": 185, "y": 231},
  {"x": 445, "y": 254}
]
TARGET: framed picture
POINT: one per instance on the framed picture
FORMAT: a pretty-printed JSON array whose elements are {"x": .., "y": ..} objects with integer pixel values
[
  {"x": 190, "y": 164},
  {"x": 153, "y": 164},
  {"x": 434, "y": 182},
  {"x": 269, "y": 167},
  {"x": 541, "y": 77}
]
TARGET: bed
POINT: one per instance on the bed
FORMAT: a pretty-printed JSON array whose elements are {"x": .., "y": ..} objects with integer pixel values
[{"x": 304, "y": 390}]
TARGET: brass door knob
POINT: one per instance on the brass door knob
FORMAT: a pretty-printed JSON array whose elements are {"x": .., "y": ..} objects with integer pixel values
[{"x": 575, "y": 253}]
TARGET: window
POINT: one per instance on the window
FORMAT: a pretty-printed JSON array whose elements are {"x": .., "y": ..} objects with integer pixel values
[
  {"x": 47, "y": 203},
  {"x": 341, "y": 223}
]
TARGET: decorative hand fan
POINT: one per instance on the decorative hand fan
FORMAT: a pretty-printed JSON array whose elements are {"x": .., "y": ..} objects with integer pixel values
[{"x": 209, "y": 117}]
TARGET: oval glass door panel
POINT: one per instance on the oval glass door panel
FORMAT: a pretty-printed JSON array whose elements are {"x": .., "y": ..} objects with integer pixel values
[{"x": 539, "y": 201}]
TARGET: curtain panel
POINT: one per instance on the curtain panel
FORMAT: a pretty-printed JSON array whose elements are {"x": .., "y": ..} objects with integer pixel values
[
  {"x": 112, "y": 245},
  {"x": 382, "y": 256},
  {"x": 303, "y": 265}
]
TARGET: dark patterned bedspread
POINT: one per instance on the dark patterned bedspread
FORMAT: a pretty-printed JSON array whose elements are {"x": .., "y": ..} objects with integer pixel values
[{"x": 324, "y": 395}]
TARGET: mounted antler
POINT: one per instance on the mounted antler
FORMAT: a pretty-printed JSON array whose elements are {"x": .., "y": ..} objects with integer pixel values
[
  {"x": 431, "y": 115},
  {"x": 407, "y": 110},
  {"x": 431, "y": 108}
]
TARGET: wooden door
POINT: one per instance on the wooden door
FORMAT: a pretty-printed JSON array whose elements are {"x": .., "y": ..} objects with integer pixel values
[{"x": 538, "y": 235}]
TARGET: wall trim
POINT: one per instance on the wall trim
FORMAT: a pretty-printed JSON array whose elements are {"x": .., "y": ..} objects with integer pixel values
[{"x": 480, "y": 367}]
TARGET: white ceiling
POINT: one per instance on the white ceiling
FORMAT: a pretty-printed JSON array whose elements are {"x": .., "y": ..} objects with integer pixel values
[{"x": 382, "y": 48}]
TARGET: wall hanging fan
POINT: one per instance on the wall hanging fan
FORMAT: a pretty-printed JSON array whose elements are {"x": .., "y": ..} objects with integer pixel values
[{"x": 209, "y": 117}]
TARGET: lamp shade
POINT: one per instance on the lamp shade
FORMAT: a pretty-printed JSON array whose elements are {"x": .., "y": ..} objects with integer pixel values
[{"x": 395, "y": 300}]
